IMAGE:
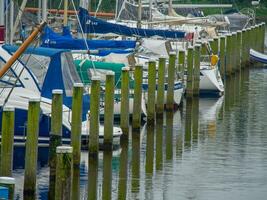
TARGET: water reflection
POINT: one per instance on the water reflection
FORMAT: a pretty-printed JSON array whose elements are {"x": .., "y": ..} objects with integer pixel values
[
  {"x": 107, "y": 175},
  {"x": 214, "y": 148},
  {"x": 169, "y": 135},
  {"x": 135, "y": 161},
  {"x": 159, "y": 142},
  {"x": 123, "y": 174},
  {"x": 92, "y": 177}
]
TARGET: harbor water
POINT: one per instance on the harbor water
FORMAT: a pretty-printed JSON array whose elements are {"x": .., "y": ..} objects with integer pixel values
[{"x": 211, "y": 148}]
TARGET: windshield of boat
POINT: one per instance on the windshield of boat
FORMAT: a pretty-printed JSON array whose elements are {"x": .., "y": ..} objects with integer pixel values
[
  {"x": 69, "y": 73},
  {"x": 38, "y": 65}
]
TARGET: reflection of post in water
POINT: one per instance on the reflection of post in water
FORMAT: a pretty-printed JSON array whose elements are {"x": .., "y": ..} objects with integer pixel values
[
  {"x": 75, "y": 182},
  {"x": 195, "y": 116},
  {"x": 228, "y": 94},
  {"x": 159, "y": 142},
  {"x": 244, "y": 80},
  {"x": 107, "y": 175},
  {"x": 122, "y": 192},
  {"x": 169, "y": 135},
  {"x": 236, "y": 87},
  {"x": 188, "y": 123},
  {"x": 149, "y": 160},
  {"x": 135, "y": 160},
  {"x": 149, "y": 149},
  {"x": 92, "y": 177}
]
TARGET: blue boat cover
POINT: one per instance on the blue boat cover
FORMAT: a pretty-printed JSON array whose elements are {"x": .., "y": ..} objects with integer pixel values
[
  {"x": 54, "y": 78},
  {"x": 93, "y": 25},
  {"x": 65, "y": 41}
]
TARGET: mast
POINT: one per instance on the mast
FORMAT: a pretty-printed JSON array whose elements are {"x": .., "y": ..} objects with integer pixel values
[
  {"x": 11, "y": 21},
  {"x": 44, "y": 10},
  {"x": 150, "y": 10},
  {"x": 139, "y": 13},
  {"x": 170, "y": 8},
  {"x": 2, "y": 13},
  {"x": 65, "y": 21},
  {"x": 39, "y": 10},
  {"x": 18, "y": 18}
]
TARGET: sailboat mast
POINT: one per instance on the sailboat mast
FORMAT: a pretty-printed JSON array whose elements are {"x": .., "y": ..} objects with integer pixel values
[
  {"x": 11, "y": 21},
  {"x": 44, "y": 10},
  {"x": 170, "y": 8},
  {"x": 65, "y": 20},
  {"x": 39, "y": 10},
  {"x": 2, "y": 13},
  {"x": 139, "y": 13}
]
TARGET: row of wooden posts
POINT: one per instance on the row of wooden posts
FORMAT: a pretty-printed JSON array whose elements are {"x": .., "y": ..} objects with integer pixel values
[{"x": 233, "y": 50}]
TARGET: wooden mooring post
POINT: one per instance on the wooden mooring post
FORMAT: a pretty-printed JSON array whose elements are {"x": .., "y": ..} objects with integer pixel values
[
  {"x": 151, "y": 92},
  {"x": 109, "y": 111},
  {"x": 138, "y": 78},
  {"x": 31, "y": 147},
  {"x": 196, "y": 73},
  {"x": 181, "y": 64},
  {"x": 170, "y": 81},
  {"x": 64, "y": 172},
  {"x": 124, "y": 118},
  {"x": 76, "y": 129},
  {"x": 55, "y": 139},
  {"x": 7, "y": 141},
  {"x": 238, "y": 50},
  {"x": 161, "y": 86},
  {"x": 94, "y": 116},
  {"x": 222, "y": 56},
  {"x": 190, "y": 68},
  {"x": 228, "y": 56},
  {"x": 243, "y": 50}
]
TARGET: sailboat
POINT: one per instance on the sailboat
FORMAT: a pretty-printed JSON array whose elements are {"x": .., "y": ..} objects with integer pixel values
[{"x": 36, "y": 74}]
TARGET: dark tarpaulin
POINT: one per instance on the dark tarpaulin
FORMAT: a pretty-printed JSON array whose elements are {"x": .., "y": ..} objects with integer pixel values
[{"x": 93, "y": 25}]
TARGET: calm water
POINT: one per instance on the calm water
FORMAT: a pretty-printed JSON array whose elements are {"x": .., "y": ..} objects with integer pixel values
[{"x": 210, "y": 149}]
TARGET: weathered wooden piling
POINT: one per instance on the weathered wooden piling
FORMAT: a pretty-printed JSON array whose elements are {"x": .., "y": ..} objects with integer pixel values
[
  {"x": 109, "y": 110},
  {"x": 7, "y": 141},
  {"x": 215, "y": 45},
  {"x": 262, "y": 44},
  {"x": 64, "y": 172},
  {"x": 55, "y": 137},
  {"x": 228, "y": 70},
  {"x": 222, "y": 56},
  {"x": 234, "y": 52},
  {"x": 196, "y": 73},
  {"x": 249, "y": 44},
  {"x": 239, "y": 50},
  {"x": 151, "y": 91},
  {"x": 9, "y": 183},
  {"x": 160, "y": 86},
  {"x": 181, "y": 66},
  {"x": 124, "y": 118},
  {"x": 138, "y": 78},
  {"x": 76, "y": 122},
  {"x": 171, "y": 76},
  {"x": 76, "y": 129},
  {"x": 94, "y": 116},
  {"x": 243, "y": 50},
  {"x": 190, "y": 68},
  {"x": 31, "y": 147}
]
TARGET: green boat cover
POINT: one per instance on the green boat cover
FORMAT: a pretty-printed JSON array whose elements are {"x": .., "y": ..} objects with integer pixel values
[{"x": 83, "y": 69}]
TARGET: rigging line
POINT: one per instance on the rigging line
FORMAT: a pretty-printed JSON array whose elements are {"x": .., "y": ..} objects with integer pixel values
[
  {"x": 14, "y": 85},
  {"x": 98, "y": 6},
  {"x": 83, "y": 35},
  {"x": 22, "y": 11}
]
